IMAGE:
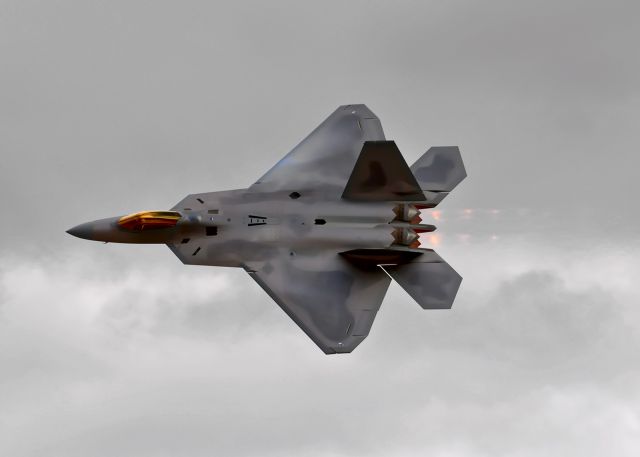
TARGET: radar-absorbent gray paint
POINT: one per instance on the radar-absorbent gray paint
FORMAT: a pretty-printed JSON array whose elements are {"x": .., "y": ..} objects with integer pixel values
[{"x": 322, "y": 232}]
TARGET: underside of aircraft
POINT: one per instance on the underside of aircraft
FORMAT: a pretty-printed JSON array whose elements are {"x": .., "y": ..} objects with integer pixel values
[{"x": 323, "y": 232}]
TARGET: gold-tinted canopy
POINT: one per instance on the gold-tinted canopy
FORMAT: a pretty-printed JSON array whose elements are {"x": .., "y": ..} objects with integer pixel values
[{"x": 147, "y": 220}]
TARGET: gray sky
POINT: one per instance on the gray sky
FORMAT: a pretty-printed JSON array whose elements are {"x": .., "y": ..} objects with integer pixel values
[{"x": 112, "y": 107}]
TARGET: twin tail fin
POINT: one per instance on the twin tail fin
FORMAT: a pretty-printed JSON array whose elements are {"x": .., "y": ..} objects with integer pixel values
[{"x": 382, "y": 174}]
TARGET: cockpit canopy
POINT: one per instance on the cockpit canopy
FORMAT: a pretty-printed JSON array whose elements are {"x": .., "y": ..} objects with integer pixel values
[{"x": 149, "y": 220}]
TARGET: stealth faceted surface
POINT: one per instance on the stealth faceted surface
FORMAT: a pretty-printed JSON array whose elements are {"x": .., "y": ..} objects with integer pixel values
[{"x": 315, "y": 230}]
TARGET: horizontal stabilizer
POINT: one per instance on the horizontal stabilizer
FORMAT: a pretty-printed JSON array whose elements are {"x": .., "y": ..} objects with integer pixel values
[
  {"x": 381, "y": 174},
  {"x": 432, "y": 284},
  {"x": 438, "y": 172}
]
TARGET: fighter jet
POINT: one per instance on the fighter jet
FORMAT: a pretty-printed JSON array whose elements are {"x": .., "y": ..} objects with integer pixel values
[{"x": 323, "y": 232}]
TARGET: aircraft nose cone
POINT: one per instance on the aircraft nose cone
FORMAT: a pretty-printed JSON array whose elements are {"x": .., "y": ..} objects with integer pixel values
[{"x": 84, "y": 231}]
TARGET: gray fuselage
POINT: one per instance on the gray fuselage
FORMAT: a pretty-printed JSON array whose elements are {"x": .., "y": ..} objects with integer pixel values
[{"x": 231, "y": 228}]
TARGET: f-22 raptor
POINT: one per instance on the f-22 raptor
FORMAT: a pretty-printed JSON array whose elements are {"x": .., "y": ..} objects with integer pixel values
[{"x": 322, "y": 232}]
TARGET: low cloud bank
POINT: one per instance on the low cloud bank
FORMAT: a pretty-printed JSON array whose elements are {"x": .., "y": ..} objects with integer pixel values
[{"x": 112, "y": 356}]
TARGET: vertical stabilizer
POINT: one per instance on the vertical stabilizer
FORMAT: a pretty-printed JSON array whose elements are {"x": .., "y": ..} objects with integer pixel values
[{"x": 381, "y": 174}]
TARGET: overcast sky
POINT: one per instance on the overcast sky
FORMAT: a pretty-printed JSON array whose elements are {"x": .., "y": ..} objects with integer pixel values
[{"x": 113, "y": 350}]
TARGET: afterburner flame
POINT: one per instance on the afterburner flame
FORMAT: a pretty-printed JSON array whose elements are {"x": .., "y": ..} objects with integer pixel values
[{"x": 433, "y": 239}]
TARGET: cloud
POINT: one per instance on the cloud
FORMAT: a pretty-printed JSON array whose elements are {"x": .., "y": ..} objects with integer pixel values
[{"x": 162, "y": 359}]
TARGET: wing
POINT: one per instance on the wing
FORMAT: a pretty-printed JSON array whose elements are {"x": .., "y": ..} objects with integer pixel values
[
  {"x": 324, "y": 160},
  {"x": 332, "y": 301}
]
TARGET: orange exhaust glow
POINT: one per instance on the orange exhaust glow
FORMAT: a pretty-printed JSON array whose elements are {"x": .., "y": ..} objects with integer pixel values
[{"x": 433, "y": 239}]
